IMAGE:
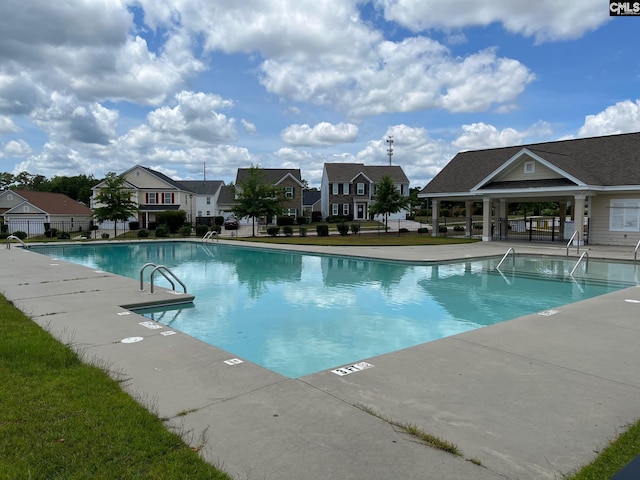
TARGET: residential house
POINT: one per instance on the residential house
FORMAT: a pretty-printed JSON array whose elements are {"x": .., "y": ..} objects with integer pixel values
[
  {"x": 311, "y": 203},
  {"x": 597, "y": 177},
  {"x": 155, "y": 192},
  {"x": 347, "y": 189},
  {"x": 206, "y": 195},
  {"x": 289, "y": 179},
  {"x": 36, "y": 212},
  {"x": 226, "y": 200}
]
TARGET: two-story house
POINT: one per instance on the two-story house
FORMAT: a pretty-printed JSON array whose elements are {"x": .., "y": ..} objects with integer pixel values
[
  {"x": 155, "y": 192},
  {"x": 206, "y": 197},
  {"x": 289, "y": 179},
  {"x": 347, "y": 189}
]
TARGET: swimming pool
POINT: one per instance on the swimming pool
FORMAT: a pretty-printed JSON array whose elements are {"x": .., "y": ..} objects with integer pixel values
[{"x": 298, "y": 314}]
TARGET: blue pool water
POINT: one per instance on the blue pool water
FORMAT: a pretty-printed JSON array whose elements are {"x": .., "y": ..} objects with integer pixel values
[{"x": 298, "y": 314}]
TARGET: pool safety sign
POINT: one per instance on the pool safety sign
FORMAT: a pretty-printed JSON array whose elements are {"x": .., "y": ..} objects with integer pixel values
[{"x": 356, "y": 367}]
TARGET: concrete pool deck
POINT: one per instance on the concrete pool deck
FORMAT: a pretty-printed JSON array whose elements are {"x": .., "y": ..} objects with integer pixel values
[{"x": 531, "y": 398}]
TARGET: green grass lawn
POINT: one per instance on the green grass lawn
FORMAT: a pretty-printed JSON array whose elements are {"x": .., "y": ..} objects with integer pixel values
[{"x": 63, "y": 419}]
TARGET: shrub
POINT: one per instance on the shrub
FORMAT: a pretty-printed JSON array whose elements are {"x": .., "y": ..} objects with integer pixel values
[
  {"x": 423, "y": 230},
  {"x": 153, "y": 225},
  {"x": 316, "y": 217},
  {"x": 134, "y": 225},
  {"x": 458, "y": 228},
  {"x": 343, "y": 229},
  {"x": 273, "y": 231},
  {"x": 442, "y": 229},
  {"x": 20, "y": 234},
  {"x": 217, "y": 229},
  {"x": 285, "y": 220},
  {"x": 4, "y": 228},
  {"x": 322, "y": 230},
  {"x": 51, "y": 233},
  {"x": 143, "y": 233},
  {"x": 172, "y": 219},
  {"x": 201, "y": 230},
  {"x": 403, "y": 230},
  {"x": 477, "y": 226},
  {"x": 4, "y": 235},
  {"x": 355, "y": 228},
  {"x": 185, "y": 231},
  {"x": 162, "y": 231},
  {"x": 64, "y": 235},
  {"x": 336, "y": 219},
  {"x": 105, "y": 235},
  {"x": 218, "y": 220},
  {"x": 287, "y": 230},
  {"x": 303, "y": 231},
  {"x": 301, "y": 220}
]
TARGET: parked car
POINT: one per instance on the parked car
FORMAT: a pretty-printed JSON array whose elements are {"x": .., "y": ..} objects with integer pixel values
[{"x": 231, "y": 223}]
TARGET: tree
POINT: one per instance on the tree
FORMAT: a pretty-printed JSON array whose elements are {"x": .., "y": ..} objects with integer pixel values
[
  {"x": 255, "y": 198},
  {"x": 388, "y": 200},
  {"x": 115, "y": 201}
]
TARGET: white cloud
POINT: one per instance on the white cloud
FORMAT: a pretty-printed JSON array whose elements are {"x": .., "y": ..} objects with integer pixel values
[
  {"x": 249, "y": 127},
  {"x": 477, "y": 136},
  {"x": 17, "y": 148},
  {"x": 7, "y": 125},
  {"x": 194, "y": 118},
  {"x": 545, "y": 20},
  {"x": 322, "y": 134},
  {"x": 623, "y": 117}
]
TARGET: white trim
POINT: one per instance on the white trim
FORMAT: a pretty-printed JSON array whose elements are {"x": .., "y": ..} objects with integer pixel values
[{"x": 515, "y": 158}]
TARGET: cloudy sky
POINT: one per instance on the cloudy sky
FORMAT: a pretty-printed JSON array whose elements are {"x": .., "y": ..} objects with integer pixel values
[{"x": 190, "y": 87}]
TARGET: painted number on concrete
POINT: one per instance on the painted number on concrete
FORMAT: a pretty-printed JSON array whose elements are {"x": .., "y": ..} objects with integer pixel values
[
  {"x": 233, "y": 361},
  {"x": 356, "y": 367}
]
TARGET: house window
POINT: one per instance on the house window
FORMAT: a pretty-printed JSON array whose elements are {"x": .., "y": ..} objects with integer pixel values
[
  {"x": 291, "y": 212},
  {"x": 345, "y": 188},
  {"x": 624, "y": 215},
  {"x": 152, "y": 198},
  {"x": 529, "y": 167},
  {"x": 335, "y": 188},
  {"x": 208, "y": 200},
  {"x": 9, "y": 196},
  {"x": 288, "y": 192},
  {"x": 345, "y": 209},
  {"x": 334, "y": 209},
  {"x": 360, "y": 189},
  {"x": 25, "y": 208},
  {"x": 199, "y": 213},
  {"x": 167, "y": 198},
  {"x": 208, "y": 213}
]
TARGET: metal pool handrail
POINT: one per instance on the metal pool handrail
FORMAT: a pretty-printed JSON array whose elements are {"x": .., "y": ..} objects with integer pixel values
[
  {"x": 577, "y": 232},
  {"x": 165, "y": 272},
  {"x": 209, "y": 234},
  {"x": 511, "y": 250},
  {"x": 586, "y": 267},
  {"x": 635, "y": 252},
  {"x": 13, "y": 237}
]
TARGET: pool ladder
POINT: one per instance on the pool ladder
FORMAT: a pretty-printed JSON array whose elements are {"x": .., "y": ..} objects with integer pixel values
[
  {"x": 510, "y": 251},
  {"x": 209, "y": 235},
  {"x": 165, "y": 272},
  {"x": 13, "y": 237},
  {"x": 586, "y": 265}
]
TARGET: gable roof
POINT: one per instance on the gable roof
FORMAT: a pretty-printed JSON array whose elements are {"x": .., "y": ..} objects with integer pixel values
[
  {"x": 606, "y": 161},
  {"x": 202, "y": 187},
  {"x": 52, "y": 203},
  {"x": 227, "y": 195},
  {"x": 271, "y": 175},
  {"x": 311, "y": 197},
  {"x": 347, "y": 172}
]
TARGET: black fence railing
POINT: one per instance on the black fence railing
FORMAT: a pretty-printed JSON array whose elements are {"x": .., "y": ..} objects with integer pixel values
[{"x": 35, "y": 228}]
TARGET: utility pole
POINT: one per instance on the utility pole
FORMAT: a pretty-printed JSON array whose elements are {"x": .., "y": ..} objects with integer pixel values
[{"x": 390, "y": 149}]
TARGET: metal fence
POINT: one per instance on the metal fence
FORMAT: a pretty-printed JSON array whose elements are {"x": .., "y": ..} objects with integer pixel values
[{"x": 36, "y": 228}]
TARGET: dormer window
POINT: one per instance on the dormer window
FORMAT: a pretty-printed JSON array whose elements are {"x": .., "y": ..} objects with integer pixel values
[{"x": 530, "y": 167}]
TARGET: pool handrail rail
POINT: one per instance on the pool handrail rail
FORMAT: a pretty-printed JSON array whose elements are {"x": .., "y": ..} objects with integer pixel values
[
  {"x": 577, "y": 232},
  {"x": 164, "y": 271},
  {"x": 586, "y": 266},
  {"x": 13, "y": 237},
  {"x": 635, "y": 252},
  {"x": 209, "y": 234},
  {"x": 511, "y": 250}
]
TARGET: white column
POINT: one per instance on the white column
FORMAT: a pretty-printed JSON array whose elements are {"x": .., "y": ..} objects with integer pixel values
[
  {"x": 578, "y": 215},
  {"x": 469, "y": 212},
  {"x": 503, "y": 218},
  {"x": 435, "y": 215},
  {"x": 486, "y": 219}
]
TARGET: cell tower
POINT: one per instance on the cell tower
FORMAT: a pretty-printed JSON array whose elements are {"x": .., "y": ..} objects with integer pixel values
[{"x": 390, "y": 149}]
